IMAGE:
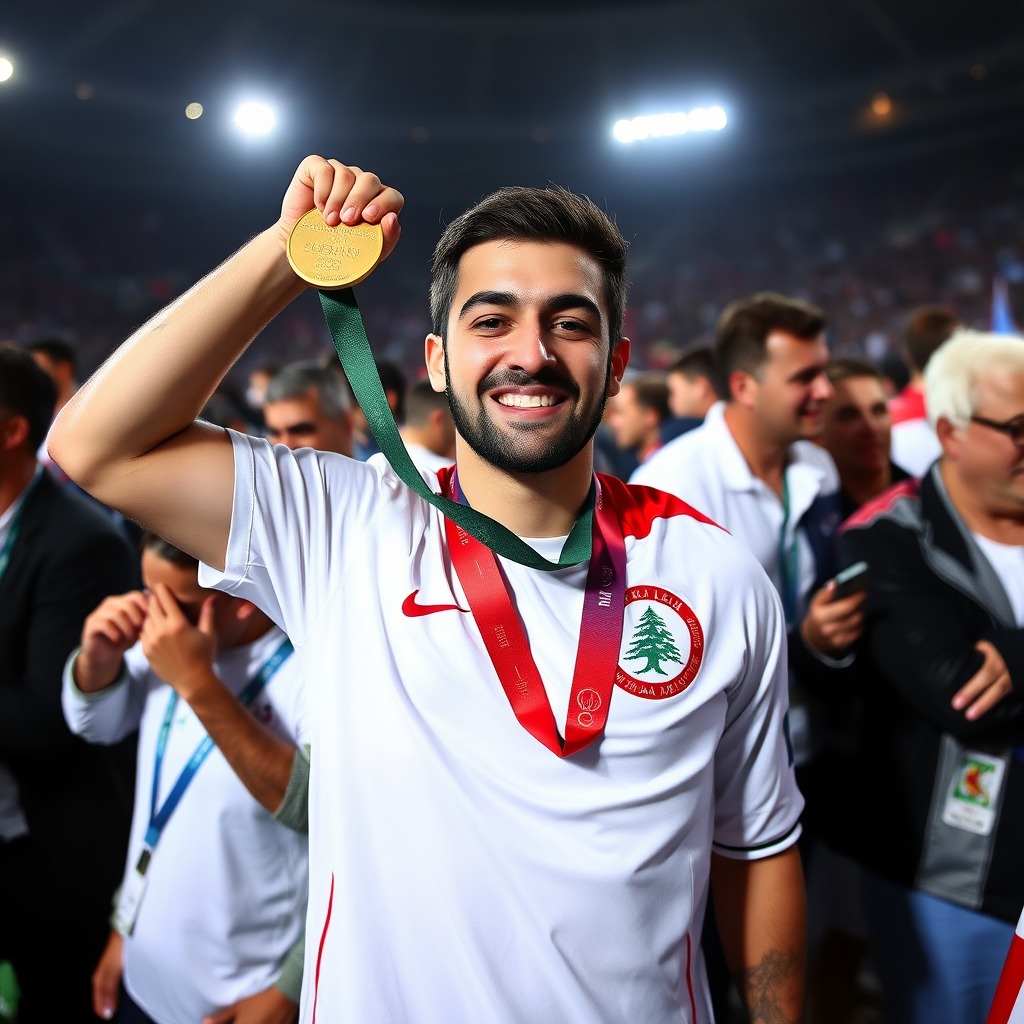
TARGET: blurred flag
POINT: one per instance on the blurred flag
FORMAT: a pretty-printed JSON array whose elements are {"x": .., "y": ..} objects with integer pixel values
[
  {"x": 1008, "y": 1005},
  {"x": 1000, "y": 317}
]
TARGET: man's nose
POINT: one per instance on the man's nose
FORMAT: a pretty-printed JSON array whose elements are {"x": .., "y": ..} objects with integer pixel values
[
  {"x": 821, "y": 388},
  {"x": 529, "y": 351}
]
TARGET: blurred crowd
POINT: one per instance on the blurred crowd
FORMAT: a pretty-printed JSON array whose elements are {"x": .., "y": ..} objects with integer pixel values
[{"x": 883, "y": 498}]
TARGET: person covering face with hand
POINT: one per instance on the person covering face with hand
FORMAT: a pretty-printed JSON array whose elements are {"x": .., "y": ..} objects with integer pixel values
[
  {"x": 223, "y": 896},
  {"x": 456, "y": 797}
]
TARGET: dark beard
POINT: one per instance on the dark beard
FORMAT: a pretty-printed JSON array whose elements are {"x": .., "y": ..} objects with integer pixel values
[{"x": 504, "y": 452}]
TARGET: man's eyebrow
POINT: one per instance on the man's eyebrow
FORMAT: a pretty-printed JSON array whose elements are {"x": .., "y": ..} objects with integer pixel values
[
  {"x": 488, "y": 299},
  {"x": 570, "y": 300}
]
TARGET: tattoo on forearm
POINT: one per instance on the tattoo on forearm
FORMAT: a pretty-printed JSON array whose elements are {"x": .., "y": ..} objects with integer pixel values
[{"x": 774, "y": 982}]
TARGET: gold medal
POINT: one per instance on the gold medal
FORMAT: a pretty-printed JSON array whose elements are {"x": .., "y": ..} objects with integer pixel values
[{"x": 331, "y": 258}]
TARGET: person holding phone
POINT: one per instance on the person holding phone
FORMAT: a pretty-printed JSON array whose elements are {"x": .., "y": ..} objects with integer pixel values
[{"x": 935, "y": 811}]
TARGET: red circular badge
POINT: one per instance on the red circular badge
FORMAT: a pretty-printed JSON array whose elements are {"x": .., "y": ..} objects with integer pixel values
[{"x": 657, "y": 630}]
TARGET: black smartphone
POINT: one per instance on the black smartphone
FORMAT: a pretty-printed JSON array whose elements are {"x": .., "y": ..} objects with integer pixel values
[{"x": 851, "y": 580}]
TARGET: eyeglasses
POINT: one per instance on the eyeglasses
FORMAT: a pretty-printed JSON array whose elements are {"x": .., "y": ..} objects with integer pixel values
[{"x": 1014, "y": 429}]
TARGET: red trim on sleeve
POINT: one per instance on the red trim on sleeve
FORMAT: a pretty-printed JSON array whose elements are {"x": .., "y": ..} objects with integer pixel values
[
  {"x": 876, "y": 507},
  {"x": 638, "y": 506}
]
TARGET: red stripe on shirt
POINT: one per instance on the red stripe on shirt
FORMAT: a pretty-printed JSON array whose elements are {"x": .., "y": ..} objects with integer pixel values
[{"x": 320, "y": 951}]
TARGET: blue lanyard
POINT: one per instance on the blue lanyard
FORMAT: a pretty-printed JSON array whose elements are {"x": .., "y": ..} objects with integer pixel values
[
  {"x": 158, "y": 818},
  {"x": 788, "y": 561},
  {"x": 12, "y": 533}
]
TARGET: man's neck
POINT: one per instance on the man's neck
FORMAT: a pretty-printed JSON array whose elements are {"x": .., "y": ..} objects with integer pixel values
[
  {"x": 528, "y": 504},
  {"x": 916, "y": 380},
  {"x": 649, "y": 445},
  {"x": 1003, "y": 527},
  {"x": 863, "y": 486},
  {"x": 15, "y": 476},
  {"x": 766, "y": 458}
]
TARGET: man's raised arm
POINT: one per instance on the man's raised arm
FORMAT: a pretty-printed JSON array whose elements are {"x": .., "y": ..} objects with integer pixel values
[{"x": 129, "y": 436}]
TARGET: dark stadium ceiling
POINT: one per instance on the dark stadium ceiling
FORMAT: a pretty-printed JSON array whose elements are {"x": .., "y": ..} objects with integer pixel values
[{"x": 452, "y": 95}]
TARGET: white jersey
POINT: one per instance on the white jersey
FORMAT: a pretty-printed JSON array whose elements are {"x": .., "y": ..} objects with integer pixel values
[
  {"x": 426, "y": 460},
  {"x": 226, "y": 888},
  {"x": 459, "y": 870}
]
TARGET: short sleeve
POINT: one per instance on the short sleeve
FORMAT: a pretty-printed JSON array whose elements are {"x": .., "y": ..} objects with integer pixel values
[
  {"x": 295, "y": 516},
  {"x": 757, "y": 802}
]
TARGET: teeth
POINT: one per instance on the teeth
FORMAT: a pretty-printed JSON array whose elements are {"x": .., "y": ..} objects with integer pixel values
[{"x": 526, "y": 401}]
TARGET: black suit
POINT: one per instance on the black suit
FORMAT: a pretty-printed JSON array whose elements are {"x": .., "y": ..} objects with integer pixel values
[{"x": 56, "y": 883}]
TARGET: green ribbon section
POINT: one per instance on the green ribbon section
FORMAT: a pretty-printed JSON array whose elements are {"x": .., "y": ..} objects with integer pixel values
[{"x": 349, "y": 334}]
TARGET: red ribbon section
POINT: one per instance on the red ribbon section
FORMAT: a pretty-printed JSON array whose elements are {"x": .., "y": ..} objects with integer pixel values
[{"x": 600, "y": 632}]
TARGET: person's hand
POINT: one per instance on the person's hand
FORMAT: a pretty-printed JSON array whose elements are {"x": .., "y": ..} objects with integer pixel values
[
  {"x": 344, "y": 195},
  {"x": 268, "y": 1007},
  {"x": 987, "y": 687},
  {"x": 829, "y": 626},
  {"x": 109, "y": 631},
  {"x": 178, "y": 652},
  {"x": 106, "y": 979}
]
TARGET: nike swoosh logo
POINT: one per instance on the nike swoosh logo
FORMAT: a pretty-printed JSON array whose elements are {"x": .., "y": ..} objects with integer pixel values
[{"x": 412, "y": 609}]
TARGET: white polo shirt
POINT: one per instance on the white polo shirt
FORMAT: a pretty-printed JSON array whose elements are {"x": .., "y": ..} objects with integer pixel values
[
  {"x": 460, "y": 871},
  {"x": 706, "y": 468},
  {"x": 226, "y": 892}
]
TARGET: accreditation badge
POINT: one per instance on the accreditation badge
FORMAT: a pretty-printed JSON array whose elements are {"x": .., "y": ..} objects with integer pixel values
[
  {"x": 131, "y": 895},
  {"x": 973, "y": 797}
]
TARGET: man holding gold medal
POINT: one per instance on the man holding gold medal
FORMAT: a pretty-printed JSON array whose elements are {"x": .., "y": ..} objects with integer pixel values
[{"x": 546, "y": 707}]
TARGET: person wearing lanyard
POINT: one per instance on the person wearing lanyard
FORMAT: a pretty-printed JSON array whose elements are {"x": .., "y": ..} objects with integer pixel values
[
  {"x": 547, "y": 707},
  {"x": 214, "y": 889}
]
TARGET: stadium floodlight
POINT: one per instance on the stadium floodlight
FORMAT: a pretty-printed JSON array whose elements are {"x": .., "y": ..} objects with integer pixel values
[
  {"x": 651, "y": 126},
  {"x": 255, "y": 118},
  {"x": 6, "y": 68}
]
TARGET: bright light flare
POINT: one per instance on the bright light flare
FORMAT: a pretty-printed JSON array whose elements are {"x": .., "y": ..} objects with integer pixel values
[
  {"x": 255, "y": 118},
  {"x": 6, "y": 68},
  {"x": 700, "y": 119},
  {"x": 194, "y": 111}
]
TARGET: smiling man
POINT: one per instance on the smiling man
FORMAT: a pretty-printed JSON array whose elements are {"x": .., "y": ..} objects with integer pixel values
[{"x": 515, "y": 809}]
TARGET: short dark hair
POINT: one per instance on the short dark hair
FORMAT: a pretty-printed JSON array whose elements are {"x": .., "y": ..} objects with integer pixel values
[
  {"x": 744, "y": 326},
  {"x": 57, "y": 350},
  {"x": 651, "y": 392},
  {"x": 26, "y": 389},
  {"x": 927, "y": 328},
  {"x": 701, "y": 362},
  {"x": 847, "y": 368},
  {"x": 392, "y": 379},
  {"x": 421, "y": 401},
  {"x": 531, "y": 215},
  {"x": 166, "y": 551}
]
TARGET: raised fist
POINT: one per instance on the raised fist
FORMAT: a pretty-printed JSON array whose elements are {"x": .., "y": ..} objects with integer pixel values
[{"x": 344, "y": 195}]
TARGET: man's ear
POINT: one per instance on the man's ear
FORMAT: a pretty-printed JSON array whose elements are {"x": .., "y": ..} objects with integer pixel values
[
  {"x": 15, "y": 432},
  {"x": 743, "y": 388},
  {"x": 950, "y": 437},
  {"x": 433, "y": 354},
  {"x": 620, "y": 360}
]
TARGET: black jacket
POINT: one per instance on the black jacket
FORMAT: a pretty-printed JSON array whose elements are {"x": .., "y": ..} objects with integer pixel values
[
  {"x": 932, "y": 596},
  {"x": 77, "y": 798}
]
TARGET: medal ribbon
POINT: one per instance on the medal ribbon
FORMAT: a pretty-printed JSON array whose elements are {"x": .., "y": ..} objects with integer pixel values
[
  {"x": 600, "y": 631},
  {"x": 349, "y": 334},
  {"x": 159, "y": 818}
]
